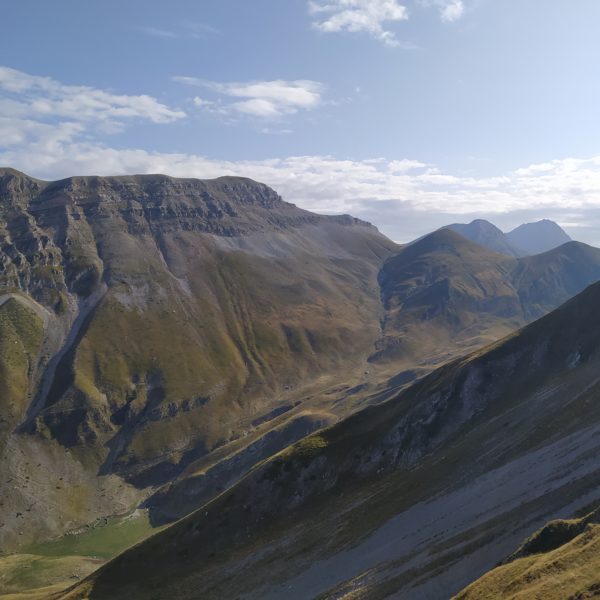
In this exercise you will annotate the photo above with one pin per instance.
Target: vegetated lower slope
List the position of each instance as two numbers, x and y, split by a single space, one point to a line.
147 321
561 560
534 238
445 295
43 568
413 498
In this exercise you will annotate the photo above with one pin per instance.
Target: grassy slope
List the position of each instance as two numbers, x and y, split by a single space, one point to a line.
445 295
331 490
48 567
257 297
21 332
252 327
560 561
26 576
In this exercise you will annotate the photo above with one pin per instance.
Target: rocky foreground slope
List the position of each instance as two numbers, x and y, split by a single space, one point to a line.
415 497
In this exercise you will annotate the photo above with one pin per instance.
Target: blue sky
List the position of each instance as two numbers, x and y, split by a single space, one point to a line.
409 113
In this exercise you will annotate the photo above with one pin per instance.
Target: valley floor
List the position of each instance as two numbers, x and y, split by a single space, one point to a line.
40 570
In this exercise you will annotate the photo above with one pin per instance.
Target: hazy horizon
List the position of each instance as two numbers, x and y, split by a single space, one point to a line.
409 114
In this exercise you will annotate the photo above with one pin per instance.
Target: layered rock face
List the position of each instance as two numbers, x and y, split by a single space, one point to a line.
156 319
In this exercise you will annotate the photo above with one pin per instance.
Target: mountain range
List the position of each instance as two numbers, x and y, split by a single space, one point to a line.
525 240
444 295
298 395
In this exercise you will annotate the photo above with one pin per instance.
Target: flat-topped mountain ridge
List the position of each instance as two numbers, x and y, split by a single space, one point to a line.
224 206
156 320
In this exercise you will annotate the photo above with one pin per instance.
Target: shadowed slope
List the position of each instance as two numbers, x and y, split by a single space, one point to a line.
443 296
413 497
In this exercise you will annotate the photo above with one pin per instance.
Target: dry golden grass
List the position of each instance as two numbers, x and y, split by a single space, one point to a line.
571 571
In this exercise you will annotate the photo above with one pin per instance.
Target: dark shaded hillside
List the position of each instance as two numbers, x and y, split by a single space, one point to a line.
546 280
414 497
445 295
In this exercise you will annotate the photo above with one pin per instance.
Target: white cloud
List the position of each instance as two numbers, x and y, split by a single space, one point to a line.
320 183
263 99
202 103
24 95
450 10
43 136
405 165
47 129
405 197
47 119
368 16
200 30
